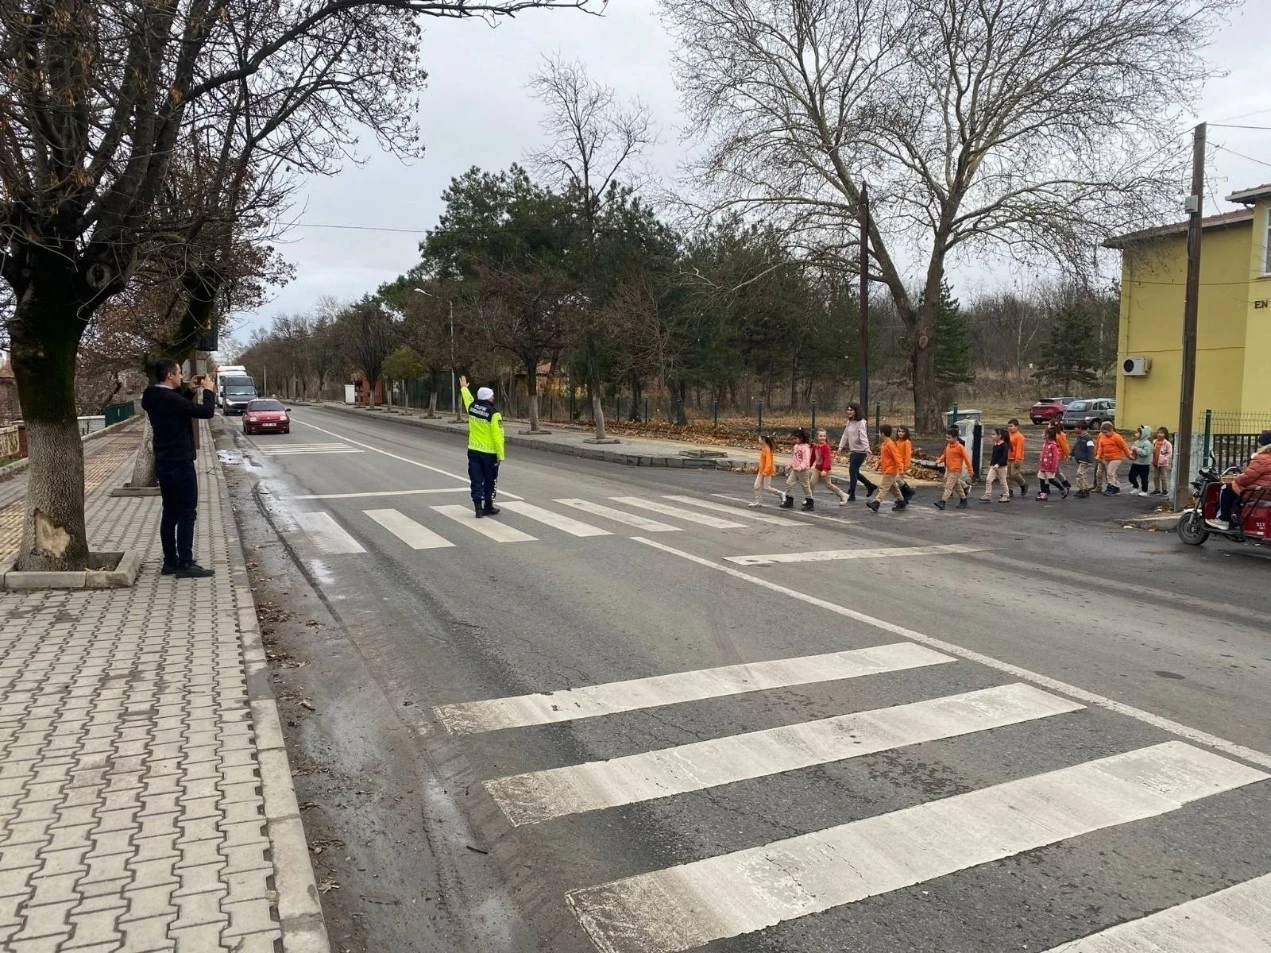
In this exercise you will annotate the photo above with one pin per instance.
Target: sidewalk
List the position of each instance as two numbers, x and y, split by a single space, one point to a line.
145 798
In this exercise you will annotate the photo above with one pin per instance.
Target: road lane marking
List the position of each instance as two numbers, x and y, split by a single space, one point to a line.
490 527
414 463
297 453
327 535
692 904
733 511
374 493
618 516
541 795
607 698
566 524
1045 681
826 555
1238 918
407 530
678 512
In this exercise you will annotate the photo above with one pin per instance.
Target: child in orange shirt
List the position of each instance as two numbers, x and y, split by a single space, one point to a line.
1015 459
891 466
905 445
955 459
767 470
1111 448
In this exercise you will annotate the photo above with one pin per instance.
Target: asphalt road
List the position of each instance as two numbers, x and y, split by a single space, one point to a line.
1044 725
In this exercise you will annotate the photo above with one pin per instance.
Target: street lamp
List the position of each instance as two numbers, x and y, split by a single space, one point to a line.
454 403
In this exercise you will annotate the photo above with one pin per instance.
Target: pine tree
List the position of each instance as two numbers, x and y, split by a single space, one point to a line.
953 345
1070 356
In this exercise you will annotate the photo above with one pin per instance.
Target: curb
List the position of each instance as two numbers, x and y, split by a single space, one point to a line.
628 457
299 909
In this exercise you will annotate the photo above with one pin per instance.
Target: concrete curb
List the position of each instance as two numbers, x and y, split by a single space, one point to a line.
126 567
628 456
304 929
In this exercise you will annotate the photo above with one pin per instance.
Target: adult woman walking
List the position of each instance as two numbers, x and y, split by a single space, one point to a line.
855 441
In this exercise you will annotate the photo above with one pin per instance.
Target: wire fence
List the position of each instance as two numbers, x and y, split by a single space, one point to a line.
1222 422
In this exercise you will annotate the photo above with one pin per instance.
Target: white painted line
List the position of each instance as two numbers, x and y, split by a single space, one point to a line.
297 453
327 535
414 463
734 511
801 514
696 903
827 555
489 527
407 530
590 701
373 493
1045 681
618 516
542 795
566 524
678 512
1235 919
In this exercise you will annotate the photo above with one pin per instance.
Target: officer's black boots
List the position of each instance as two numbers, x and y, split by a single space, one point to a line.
480 510
489 509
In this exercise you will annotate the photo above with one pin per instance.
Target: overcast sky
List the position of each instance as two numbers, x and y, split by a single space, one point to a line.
477 111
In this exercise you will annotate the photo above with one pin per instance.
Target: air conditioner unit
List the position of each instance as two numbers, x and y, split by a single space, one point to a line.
1136 366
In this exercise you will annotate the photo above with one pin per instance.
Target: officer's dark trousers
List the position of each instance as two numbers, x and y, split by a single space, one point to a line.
482 469
179 489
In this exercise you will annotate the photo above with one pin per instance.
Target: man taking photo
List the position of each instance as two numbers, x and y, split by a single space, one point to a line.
172 413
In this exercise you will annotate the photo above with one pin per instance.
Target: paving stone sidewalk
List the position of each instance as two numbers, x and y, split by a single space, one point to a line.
146 802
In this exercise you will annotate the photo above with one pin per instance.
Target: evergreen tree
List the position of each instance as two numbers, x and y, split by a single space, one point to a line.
953 346
1070 356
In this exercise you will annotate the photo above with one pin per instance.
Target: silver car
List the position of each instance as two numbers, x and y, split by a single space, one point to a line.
1092 412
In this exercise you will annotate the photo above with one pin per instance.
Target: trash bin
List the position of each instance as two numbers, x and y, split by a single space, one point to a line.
967 419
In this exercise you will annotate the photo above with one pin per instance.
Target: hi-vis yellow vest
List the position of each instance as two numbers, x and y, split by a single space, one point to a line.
485 426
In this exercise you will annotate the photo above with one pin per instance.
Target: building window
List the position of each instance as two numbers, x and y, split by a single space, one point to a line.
1266 246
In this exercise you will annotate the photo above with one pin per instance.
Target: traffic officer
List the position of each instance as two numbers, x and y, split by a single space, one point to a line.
485 446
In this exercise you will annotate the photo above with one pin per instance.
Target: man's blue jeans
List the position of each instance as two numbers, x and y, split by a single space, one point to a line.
179 488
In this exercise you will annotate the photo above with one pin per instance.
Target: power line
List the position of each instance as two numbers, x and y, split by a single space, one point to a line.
1223 125
1241 155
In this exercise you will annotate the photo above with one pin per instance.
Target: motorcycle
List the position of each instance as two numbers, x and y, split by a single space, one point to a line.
1253 524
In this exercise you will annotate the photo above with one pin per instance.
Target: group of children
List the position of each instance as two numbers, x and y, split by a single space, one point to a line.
1098 457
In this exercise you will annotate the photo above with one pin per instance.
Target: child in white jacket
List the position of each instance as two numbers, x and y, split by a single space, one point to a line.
1162 460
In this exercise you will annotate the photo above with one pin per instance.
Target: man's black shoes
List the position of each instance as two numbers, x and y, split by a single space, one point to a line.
193 571
489 509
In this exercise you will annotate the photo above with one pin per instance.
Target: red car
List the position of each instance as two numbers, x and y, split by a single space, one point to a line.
1048 408
266 416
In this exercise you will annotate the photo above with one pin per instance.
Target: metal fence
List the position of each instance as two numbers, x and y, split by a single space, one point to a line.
117 413
1221 422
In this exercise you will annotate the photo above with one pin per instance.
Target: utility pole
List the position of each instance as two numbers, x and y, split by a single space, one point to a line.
864 299
454 400
1191 304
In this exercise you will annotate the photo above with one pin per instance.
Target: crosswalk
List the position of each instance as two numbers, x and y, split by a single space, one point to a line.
759 887
297 449
521 521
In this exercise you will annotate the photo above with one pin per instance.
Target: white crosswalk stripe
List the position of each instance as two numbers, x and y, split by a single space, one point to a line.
328 536
620 516
1235 920
678 512
566 524
734 511
293 449
692 904
490 527
826 555
591 701
407 530
539 796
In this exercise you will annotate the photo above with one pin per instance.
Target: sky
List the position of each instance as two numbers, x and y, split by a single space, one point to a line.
477 111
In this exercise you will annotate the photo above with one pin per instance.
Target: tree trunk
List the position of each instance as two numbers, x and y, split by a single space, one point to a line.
598 413
927 410
45 330
143 463
531 389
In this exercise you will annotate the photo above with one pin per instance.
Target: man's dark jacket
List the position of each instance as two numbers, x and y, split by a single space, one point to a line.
172 416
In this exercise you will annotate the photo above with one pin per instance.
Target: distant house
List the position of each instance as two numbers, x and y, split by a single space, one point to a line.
1234 329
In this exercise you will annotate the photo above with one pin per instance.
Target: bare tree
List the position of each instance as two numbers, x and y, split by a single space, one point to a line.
368 337
101 103
1030 128
592 139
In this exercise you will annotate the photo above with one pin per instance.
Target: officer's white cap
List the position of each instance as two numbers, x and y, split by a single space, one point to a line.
485 393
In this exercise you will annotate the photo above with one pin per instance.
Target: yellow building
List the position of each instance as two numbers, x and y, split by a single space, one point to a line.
1234 317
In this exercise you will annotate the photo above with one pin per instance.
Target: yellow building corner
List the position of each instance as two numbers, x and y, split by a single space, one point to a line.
1234 317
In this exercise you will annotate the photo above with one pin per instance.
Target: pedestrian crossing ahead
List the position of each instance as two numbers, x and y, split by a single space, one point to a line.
295 449
762 886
